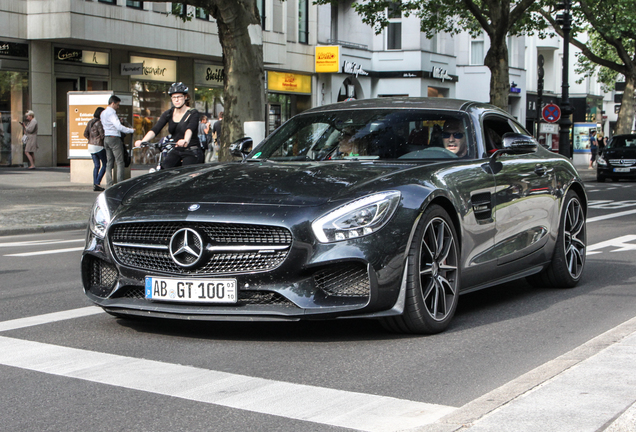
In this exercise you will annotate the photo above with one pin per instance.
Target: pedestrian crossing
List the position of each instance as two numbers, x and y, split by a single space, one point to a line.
43 247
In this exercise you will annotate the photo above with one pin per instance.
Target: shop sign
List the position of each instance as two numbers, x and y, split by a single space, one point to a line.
81 56
12 49
327 59
288 82
154 69
209 75
131 68
440 73
352 68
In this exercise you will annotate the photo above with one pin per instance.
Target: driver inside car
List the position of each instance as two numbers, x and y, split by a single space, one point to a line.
454 138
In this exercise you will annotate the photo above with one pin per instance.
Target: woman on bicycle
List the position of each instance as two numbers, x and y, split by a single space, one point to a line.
183 123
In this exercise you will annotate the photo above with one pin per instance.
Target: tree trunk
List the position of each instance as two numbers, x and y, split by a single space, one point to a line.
626 113
497 61
240 35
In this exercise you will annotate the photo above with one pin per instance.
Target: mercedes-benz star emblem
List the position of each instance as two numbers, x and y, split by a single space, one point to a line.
194 207
186 247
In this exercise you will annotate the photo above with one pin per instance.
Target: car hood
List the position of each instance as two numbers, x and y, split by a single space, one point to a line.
298 184
617 153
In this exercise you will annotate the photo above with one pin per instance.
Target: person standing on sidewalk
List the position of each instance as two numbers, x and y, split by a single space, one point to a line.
216 136
112 140
593 148
94 133
30 130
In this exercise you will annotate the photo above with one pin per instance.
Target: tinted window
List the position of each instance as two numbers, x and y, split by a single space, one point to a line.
370 134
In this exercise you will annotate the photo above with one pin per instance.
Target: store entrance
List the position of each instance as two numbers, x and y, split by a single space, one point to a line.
62 87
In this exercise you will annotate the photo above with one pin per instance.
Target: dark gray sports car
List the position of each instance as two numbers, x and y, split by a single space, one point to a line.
386 208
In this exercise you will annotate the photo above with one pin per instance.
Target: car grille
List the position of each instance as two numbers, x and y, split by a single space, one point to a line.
101 276
233 248
622 162
245 298
348 280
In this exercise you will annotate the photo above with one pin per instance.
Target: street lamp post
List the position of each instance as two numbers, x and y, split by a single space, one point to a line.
565 19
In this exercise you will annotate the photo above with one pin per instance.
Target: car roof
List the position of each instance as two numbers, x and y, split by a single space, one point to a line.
446 104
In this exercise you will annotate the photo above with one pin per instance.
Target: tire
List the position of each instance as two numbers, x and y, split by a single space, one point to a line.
568 259
600 178
433 277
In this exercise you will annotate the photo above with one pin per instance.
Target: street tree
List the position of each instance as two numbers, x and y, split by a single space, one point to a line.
241 39
609 49
497 18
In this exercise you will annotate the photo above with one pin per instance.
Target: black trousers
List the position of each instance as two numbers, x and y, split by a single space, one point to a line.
183 156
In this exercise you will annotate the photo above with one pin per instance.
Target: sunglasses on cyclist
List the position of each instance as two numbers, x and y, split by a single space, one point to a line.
457 135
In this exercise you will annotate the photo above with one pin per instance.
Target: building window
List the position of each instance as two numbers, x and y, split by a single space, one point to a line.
303 21
179 9
260 4
394 29
477 51
108 1
135 4
202 14
512 51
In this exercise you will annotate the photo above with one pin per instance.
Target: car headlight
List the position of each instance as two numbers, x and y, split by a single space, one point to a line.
100 216
601 161
358 218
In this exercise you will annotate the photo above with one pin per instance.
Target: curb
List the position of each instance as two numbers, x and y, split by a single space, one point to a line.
39 229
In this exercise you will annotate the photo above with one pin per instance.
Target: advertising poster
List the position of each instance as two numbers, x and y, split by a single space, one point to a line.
581 136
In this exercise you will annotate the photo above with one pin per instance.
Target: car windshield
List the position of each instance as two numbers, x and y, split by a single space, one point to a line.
622 142
375 134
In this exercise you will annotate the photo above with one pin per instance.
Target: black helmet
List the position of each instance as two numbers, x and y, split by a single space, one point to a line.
178 88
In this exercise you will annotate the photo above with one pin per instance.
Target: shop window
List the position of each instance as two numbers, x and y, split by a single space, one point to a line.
14 92
394 29
134 4
303 21
150 100
209 101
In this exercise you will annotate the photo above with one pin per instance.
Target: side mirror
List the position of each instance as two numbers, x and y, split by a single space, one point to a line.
515 143
241 147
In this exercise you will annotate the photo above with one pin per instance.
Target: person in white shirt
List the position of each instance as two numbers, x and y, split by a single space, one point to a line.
112 140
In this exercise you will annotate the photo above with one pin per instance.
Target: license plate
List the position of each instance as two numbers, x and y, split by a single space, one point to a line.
191 290
621 169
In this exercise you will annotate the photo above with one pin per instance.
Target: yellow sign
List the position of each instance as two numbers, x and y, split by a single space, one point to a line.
288 82
328 59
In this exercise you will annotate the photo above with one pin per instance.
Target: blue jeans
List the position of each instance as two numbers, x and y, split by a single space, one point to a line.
99 158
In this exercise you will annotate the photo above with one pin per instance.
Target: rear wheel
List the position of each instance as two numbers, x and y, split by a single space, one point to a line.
568 260
433 276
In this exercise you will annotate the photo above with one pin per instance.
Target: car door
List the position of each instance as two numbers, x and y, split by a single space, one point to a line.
525 200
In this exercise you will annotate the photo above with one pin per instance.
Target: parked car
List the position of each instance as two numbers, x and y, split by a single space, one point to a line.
382 208
618 160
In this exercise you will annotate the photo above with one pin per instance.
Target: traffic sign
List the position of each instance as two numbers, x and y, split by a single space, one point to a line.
551 113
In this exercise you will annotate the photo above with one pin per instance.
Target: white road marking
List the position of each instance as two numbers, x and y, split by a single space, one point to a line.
620 244
611 216
47 252
359 411
321 405
49 318
39 242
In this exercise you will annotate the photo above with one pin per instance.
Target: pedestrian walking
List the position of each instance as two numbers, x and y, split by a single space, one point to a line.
112 140
30 131
593 148
216 136
94 133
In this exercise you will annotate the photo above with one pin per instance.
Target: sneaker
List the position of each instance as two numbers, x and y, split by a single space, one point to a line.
98 188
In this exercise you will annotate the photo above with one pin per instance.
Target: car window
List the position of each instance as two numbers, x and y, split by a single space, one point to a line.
622 141
494 128
373 134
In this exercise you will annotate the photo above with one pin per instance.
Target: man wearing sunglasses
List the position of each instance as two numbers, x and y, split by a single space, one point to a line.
454 137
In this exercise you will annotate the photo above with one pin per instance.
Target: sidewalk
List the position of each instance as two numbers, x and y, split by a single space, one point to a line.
43 200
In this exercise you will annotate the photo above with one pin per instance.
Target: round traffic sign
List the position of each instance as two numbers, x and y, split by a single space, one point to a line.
551 113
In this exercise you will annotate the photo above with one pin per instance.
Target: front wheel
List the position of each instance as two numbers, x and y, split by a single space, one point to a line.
568 259
433 276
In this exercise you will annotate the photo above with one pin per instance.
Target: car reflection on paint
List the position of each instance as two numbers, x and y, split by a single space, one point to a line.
349 210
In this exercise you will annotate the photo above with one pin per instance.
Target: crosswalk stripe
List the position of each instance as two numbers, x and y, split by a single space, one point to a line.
365 412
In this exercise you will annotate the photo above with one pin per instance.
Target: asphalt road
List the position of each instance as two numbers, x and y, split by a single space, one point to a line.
497 335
